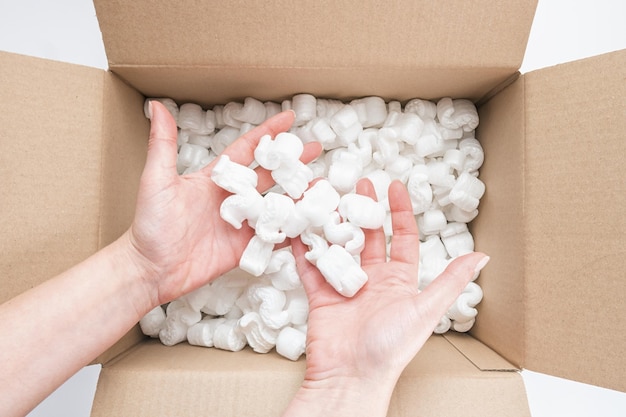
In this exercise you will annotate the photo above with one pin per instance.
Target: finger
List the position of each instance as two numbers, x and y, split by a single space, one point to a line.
441 293
241 151
312 279
311 151
162 148
375 250
405 240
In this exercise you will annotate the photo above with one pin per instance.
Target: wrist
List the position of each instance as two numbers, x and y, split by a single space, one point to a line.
136 272
345 396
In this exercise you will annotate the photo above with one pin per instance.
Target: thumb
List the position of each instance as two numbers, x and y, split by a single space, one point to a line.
162 147
441 293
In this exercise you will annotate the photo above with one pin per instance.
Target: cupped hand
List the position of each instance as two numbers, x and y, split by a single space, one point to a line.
375 334
177 233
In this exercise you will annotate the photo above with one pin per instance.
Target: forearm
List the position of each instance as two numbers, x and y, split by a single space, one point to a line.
53 330
343 397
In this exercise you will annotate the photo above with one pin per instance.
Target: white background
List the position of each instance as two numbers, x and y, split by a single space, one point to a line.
563 30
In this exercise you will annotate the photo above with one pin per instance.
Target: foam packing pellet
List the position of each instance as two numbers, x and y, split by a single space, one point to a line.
428 145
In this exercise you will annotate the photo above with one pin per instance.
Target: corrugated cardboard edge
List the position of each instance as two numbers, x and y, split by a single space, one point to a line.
123 151
499 229
576 221
50 134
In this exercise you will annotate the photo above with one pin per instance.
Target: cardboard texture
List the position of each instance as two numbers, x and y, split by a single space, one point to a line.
552 219
205 53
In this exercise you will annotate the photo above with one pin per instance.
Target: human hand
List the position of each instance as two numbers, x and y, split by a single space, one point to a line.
357 347
177 234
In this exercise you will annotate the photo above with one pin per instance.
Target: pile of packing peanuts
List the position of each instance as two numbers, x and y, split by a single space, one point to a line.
428 146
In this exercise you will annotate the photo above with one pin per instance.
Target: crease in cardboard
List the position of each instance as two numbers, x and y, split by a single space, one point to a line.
478 354
494 91
101 180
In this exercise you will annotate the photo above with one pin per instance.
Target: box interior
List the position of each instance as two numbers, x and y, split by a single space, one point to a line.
552 218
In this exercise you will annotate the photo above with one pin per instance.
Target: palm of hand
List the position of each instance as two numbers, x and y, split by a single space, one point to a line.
177 229
375 334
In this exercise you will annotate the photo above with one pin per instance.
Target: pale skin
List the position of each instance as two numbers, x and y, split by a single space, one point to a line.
177 243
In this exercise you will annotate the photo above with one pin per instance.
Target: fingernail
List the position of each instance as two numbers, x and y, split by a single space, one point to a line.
150 109
480 265
294 113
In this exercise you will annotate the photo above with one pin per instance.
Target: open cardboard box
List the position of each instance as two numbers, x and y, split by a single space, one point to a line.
553 217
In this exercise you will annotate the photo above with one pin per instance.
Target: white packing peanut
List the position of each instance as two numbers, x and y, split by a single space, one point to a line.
443 325
457 239
270 303
423 108
219 116
305 107
247 205
190 155
223 138
322 132
387 147
272 109
455 114
228 336
346 125
225 291
463 309
191 117
260 338
440 173
455 214
327 108
252 111
381 180
474 154
256 256
341 271
406 126
201 333
362 211
282 271
283 149
420 190
179 318
198 298
291 343
467 192
345 170
293 177
297 306
431 222
462 327
345 234
316 243
152 323
277 209
318 202
371 111
233 177
169 104
229 112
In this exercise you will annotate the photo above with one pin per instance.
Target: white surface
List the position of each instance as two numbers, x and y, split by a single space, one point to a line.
564 30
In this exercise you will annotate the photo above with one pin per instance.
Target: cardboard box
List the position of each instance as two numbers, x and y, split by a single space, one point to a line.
553 217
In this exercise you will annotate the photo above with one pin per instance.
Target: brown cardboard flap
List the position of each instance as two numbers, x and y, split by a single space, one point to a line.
576 220
208 85
50 164
499 228
124 147
184 380
293 35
